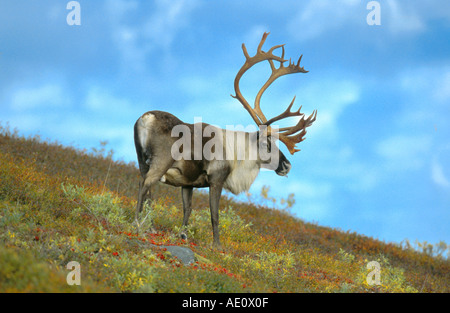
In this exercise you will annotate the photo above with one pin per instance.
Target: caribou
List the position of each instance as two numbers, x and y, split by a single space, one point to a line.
198 159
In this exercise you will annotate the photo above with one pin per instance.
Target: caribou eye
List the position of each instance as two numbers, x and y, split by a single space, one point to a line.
265 145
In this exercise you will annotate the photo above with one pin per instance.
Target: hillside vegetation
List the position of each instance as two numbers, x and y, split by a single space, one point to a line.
60 204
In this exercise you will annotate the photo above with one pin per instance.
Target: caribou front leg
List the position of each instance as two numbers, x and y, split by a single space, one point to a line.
215 191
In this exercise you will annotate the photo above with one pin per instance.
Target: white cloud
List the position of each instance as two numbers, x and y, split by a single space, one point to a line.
48 95
441 90
133 54
438 176
200 86
404 152
167 20
402 18
100 100
440 166
433 83
331 98
318 16
136 41
126 37
118 9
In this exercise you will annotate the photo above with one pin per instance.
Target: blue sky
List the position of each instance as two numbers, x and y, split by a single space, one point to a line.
376 161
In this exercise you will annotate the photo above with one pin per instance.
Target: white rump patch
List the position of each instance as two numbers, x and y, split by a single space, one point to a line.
144 124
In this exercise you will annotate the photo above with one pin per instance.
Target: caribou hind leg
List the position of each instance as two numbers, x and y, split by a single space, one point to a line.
150 178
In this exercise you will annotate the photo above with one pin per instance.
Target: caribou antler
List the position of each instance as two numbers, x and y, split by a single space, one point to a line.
290 136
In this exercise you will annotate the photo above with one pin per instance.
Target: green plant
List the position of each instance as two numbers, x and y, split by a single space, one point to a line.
270 266
346 257
392 279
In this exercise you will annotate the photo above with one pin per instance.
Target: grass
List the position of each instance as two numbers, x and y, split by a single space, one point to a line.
59 204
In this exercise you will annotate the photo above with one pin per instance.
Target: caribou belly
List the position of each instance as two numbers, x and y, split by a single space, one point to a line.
176 178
